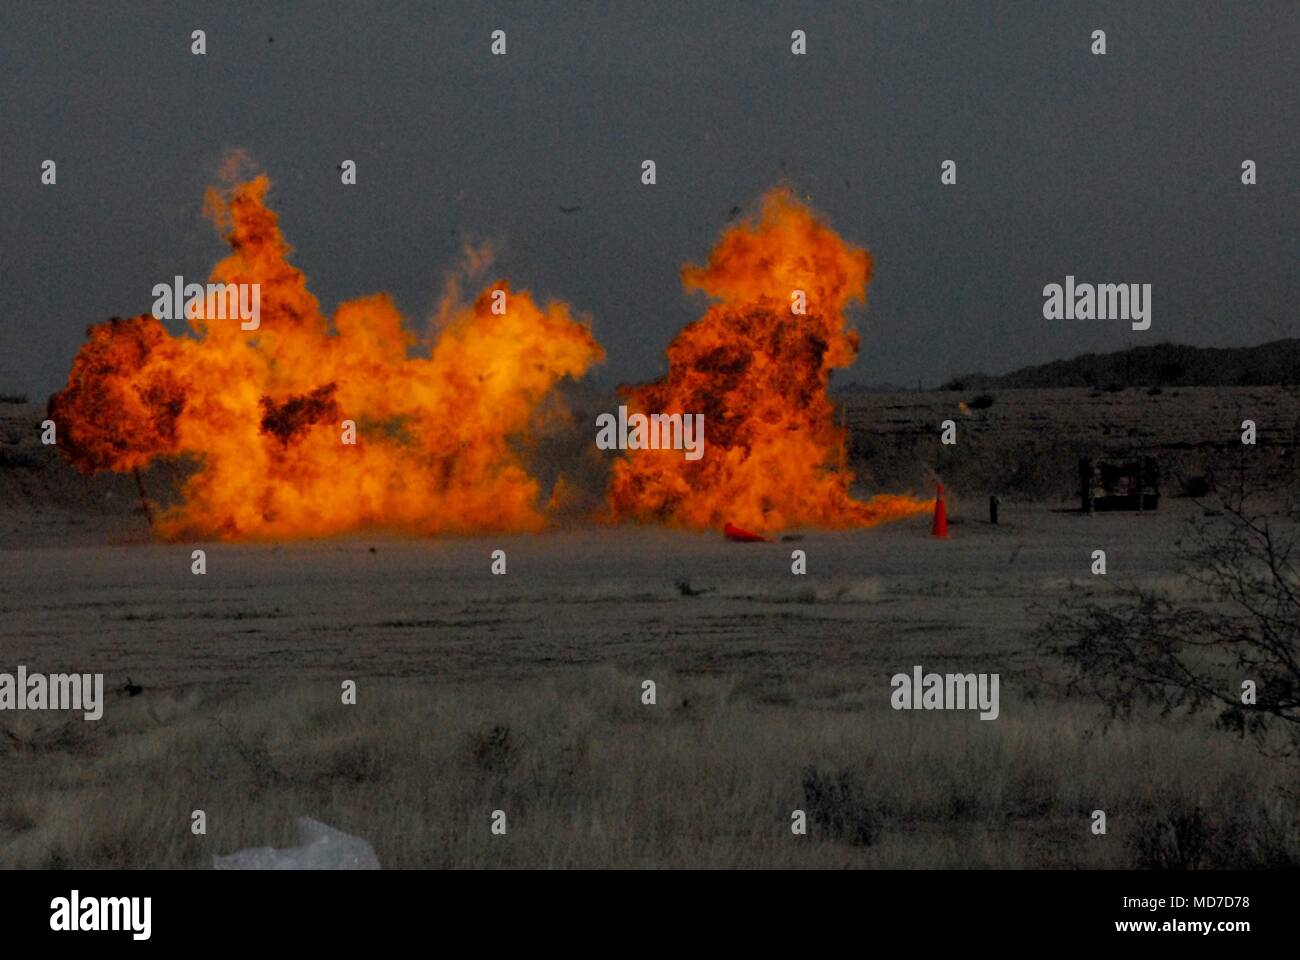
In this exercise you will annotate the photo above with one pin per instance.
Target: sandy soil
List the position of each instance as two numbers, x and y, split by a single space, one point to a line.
83 584
875 600
1028 442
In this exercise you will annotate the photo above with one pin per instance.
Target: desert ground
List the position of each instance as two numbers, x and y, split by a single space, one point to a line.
1027 442
523 692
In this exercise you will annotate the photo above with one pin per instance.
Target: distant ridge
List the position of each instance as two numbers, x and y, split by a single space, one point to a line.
1162 364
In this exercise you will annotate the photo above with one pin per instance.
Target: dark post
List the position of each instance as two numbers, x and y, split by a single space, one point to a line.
144 500
994 501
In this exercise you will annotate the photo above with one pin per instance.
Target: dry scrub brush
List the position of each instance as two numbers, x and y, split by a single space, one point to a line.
1139 647
591 777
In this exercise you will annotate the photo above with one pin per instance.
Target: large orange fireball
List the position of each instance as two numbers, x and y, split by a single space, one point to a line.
757 365
263 411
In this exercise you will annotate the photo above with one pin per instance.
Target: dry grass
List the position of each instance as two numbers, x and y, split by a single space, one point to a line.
590 777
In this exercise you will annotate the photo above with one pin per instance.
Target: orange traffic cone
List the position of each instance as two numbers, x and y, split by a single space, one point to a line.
940 516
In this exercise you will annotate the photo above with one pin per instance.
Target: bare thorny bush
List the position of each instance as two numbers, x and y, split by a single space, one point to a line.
1136 646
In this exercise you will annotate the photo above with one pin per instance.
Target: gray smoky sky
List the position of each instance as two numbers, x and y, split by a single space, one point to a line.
1124 168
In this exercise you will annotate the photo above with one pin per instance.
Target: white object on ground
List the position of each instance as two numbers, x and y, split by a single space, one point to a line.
321 847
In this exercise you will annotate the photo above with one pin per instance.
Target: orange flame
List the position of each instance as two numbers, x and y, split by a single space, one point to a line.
759 373
263 410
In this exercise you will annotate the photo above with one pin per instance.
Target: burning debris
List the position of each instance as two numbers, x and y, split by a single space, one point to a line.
757 365
261 411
